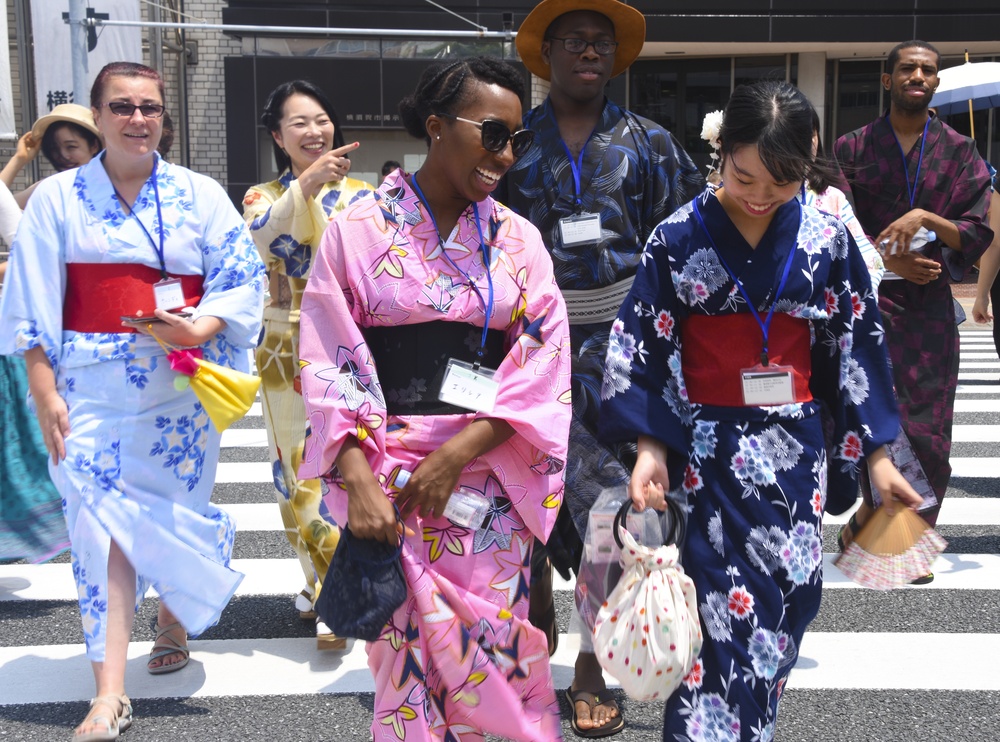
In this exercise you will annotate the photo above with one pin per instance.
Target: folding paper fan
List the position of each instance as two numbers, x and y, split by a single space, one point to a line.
891 550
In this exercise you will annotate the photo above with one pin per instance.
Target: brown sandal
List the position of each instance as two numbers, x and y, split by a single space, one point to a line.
164 646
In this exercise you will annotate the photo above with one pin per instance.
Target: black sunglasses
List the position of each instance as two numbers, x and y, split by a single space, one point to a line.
496 135
148 110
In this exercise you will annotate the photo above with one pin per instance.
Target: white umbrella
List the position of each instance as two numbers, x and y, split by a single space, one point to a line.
970 87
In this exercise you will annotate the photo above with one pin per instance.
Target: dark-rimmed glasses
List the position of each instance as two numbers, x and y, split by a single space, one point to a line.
495 135
579 46
148 110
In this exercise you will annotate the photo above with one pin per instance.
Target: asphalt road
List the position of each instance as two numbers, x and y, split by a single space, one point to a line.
914 664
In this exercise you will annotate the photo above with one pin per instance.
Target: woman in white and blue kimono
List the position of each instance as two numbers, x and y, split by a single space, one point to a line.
748 308
134 458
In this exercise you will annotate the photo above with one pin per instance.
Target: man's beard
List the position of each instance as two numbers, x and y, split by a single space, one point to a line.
905 103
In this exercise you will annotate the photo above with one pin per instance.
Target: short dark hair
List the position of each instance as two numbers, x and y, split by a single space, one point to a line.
443 89
51 150
893 59
273 112
388 166
778 119
123 69
167 136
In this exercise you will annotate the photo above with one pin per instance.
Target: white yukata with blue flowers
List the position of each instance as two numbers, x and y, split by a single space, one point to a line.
141 456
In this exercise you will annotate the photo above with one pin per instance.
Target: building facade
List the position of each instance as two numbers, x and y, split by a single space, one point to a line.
696 52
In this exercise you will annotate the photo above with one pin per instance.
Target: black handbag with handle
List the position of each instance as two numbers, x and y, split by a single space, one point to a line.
363 587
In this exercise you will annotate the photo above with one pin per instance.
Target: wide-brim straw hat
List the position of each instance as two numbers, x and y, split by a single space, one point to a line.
629 23
71 112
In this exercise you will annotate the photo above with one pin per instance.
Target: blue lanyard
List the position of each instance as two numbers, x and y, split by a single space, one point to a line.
911 189
487 304
158 248
576 167
765 325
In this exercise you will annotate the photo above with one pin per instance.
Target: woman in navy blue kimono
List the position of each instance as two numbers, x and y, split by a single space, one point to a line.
749 308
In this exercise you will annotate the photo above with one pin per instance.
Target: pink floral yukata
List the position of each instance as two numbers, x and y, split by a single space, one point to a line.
459 657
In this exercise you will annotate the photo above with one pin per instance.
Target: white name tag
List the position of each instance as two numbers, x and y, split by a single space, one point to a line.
601 539
168 294
464 386
768 386
580 229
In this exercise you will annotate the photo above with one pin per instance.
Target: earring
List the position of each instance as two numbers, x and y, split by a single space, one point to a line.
438 137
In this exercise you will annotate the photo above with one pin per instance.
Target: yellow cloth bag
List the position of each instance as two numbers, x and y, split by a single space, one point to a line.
226 394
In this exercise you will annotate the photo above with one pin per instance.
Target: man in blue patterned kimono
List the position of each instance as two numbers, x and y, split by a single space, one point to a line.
904 171
596 184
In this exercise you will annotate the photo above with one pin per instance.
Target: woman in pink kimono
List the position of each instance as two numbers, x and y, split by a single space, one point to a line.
432 286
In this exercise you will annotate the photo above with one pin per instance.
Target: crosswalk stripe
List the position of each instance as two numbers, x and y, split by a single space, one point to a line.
973 511
244 438
837 660
975 433
975 467
977 405
281 576
59 673
244 472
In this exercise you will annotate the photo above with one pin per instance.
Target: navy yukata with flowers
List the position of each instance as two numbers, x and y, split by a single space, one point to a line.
141 455
755 478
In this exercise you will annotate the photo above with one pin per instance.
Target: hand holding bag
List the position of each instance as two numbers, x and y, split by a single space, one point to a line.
363 586
647 634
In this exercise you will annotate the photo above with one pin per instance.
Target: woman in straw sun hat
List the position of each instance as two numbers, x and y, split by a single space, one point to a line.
67 136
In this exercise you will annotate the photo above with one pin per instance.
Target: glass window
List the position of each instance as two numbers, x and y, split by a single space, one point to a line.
677 94
454 49
859 91
654 91
750 69
706 88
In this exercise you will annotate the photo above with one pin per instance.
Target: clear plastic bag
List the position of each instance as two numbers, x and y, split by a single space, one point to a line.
600 566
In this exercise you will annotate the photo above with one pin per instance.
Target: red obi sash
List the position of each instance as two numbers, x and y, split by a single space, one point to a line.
98 295
716 349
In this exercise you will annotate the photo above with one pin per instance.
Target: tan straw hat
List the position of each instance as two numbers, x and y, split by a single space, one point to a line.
629 23
71 112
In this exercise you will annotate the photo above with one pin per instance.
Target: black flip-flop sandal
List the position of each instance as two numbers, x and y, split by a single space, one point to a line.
591 699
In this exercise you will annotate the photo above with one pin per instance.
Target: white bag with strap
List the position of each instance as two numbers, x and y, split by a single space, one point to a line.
647 634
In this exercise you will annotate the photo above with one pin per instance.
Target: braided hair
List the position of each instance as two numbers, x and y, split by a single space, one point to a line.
443 88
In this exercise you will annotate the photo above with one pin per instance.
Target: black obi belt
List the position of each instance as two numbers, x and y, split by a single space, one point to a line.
411 361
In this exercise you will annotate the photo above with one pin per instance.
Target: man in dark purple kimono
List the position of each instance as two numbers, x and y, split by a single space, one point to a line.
905 171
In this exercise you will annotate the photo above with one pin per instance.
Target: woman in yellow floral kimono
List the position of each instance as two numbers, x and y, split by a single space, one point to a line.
287 218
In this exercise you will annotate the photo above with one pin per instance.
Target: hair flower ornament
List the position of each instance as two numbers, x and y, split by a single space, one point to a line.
710 128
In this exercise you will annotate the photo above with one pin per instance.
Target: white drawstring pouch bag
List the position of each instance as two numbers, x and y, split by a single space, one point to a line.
647 634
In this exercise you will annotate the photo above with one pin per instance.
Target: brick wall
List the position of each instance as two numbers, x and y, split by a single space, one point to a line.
206 89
